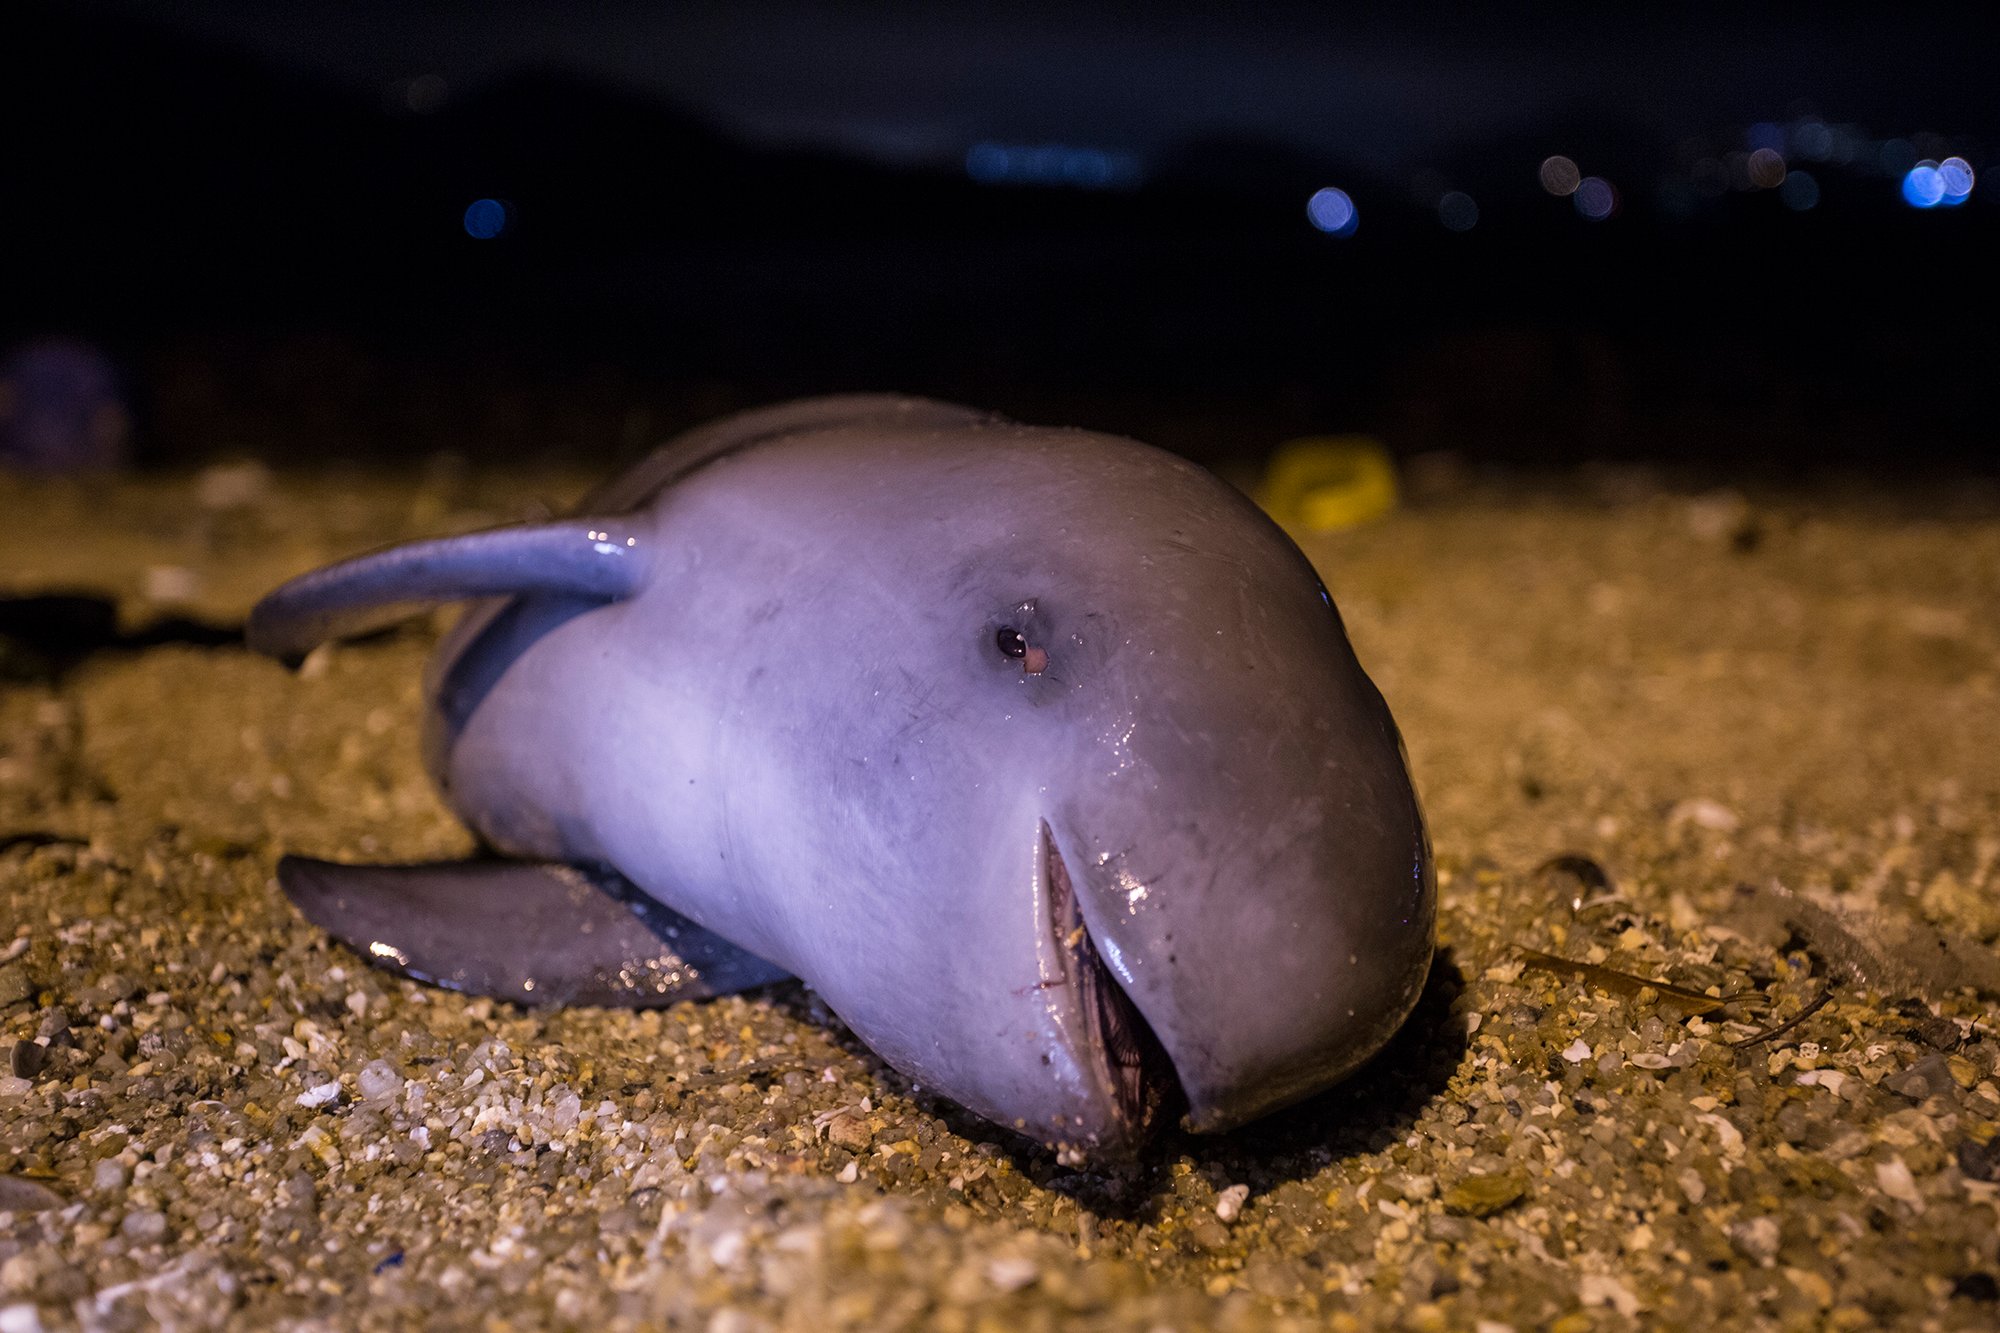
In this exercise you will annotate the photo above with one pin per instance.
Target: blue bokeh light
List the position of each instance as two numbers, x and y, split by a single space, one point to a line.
992 163
486 219
1923 187
1955 175
1800 191
1595 199
1332 211
1458 211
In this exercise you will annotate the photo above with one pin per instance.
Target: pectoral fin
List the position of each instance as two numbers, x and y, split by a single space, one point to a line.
531 932
600 558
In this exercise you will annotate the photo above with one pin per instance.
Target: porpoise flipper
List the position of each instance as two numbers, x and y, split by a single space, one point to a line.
533 932
600 558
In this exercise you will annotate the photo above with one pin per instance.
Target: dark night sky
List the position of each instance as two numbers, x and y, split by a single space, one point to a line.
775 198
915 83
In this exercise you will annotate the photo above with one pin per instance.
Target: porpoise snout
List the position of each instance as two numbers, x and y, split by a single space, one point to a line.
1256 874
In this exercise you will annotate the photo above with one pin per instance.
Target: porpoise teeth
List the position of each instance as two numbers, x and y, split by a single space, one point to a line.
1121 1047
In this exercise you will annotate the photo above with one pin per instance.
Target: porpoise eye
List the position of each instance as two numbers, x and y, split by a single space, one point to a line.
1034 661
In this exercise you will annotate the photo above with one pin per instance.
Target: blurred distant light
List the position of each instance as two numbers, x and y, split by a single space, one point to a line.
1766 168
1333 212
1799 191
1812 140
1955 174
486 219
1923 186
1764 135
986 162
1559 175
992 163
1457 211
1595 199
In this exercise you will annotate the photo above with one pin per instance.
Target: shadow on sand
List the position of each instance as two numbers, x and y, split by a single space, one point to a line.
1372 1110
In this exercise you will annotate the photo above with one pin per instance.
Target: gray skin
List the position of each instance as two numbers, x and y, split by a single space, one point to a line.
1180 866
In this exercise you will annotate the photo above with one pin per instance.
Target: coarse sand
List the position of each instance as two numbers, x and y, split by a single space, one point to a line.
214 1116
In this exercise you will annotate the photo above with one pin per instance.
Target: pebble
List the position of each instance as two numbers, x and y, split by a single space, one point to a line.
1893 1178
848 1130
1010 1273
1230 1202
378 1081
27 1059
320 1094
1486 1193
1756 1238
26 1196
144 1226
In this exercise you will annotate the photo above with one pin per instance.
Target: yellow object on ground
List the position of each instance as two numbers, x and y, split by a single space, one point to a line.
1327 482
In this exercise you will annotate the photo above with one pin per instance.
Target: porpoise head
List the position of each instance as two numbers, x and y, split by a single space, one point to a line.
1107 821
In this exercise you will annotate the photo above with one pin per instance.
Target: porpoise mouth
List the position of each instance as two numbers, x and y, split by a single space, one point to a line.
1116 1043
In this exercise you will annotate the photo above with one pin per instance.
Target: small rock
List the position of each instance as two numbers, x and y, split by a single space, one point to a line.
14 985
1209 1234
1577 1051
109 1174
1940 1034
1980 1161
22 1318
1756 1239
1603 1289
27 1059
319 1095
1486 1193
1928 1077
1813 1286
18 1195
1979 1287
1229 1203
1011 1272
1704 814
1893 1178
144 1226
565 1110
170 583
848 1130
1726 1133
378 1081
